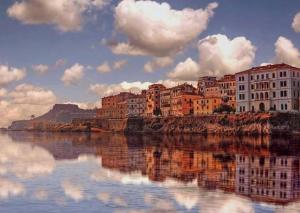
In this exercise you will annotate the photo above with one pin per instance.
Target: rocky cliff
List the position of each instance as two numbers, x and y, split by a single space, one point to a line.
59 115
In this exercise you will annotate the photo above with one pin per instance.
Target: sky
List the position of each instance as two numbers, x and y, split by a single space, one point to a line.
77 51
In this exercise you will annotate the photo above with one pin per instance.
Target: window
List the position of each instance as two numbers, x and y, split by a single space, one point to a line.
242 96
274 94
262 76
242 87
283 83
274 84
251 77
252 96
273 75
252 86
257 77
267 75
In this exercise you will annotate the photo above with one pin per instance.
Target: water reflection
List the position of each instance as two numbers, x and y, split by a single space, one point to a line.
217 174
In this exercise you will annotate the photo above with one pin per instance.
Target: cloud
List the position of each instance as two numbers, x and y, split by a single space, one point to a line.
73 74
65 15
73 191
41 194
296 23
286 52
165 31
10 188
10 74
85 105
104 197
60 62
3 92
119 64
157 63
112 89
218 55
104 68
25 100
32 95
40 68
185 71
36 162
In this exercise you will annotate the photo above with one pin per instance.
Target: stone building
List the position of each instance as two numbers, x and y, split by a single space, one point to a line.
268 88
153 100
227 87
206 105
137 105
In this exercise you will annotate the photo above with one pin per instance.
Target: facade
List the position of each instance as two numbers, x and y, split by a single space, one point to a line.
204 82
153 99
227 87
206 105
165 102
268 178
115 106
137 105
268 88
183 104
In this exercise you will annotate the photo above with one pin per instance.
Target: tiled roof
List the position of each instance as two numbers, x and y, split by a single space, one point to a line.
269 67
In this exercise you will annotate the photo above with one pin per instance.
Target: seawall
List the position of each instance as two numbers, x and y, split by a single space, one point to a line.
230 124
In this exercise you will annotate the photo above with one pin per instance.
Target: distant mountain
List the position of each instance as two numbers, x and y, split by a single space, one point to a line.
60 113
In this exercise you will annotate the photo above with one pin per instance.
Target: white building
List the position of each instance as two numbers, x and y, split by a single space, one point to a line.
268 88
136 105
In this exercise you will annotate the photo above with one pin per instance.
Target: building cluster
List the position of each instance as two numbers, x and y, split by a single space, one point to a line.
259 89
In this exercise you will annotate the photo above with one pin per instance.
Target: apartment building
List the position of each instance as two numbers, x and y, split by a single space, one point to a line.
137 105
178 100
227 89
268 88
206 105
204 82
153 99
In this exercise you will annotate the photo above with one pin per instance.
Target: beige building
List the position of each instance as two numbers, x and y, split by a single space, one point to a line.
165 102
268 88
137 105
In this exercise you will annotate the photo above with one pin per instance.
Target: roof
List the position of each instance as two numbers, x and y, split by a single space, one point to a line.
269 67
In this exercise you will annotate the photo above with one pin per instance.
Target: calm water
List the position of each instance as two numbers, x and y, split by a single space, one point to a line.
42 172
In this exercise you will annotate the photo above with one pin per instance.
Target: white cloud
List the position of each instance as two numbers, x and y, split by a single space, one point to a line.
119 64
40 68
10 74
73 74
112 89
104 197
185 71
10 188
286 52
165 31
219 55
36 162
157 63
73 191
104 68
3 92
25 100
29 94
65 15
60 62
296 23
85 105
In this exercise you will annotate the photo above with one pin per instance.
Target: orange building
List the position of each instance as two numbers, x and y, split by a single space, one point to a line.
114 106
206 105
183 104
153 99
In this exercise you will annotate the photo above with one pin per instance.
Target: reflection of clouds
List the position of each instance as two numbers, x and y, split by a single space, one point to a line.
72 190
290 208
104 197
9 188
218 202
24 160
157 203
187 199
119 201
41 194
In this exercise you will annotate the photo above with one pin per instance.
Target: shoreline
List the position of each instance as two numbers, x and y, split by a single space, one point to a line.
217 124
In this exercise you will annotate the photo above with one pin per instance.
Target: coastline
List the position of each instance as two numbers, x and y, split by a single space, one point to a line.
218 124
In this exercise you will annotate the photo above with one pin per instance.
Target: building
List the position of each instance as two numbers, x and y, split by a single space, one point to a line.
204 82
227 89
206 105
153 100
115 106
137 105
268 88
178 100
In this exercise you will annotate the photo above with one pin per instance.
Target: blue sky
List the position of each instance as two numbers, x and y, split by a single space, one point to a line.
22 45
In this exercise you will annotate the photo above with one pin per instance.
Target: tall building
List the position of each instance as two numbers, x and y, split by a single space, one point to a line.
153 99
137 105
268 88
227 87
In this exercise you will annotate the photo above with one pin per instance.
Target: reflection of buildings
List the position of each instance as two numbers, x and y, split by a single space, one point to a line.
268 178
